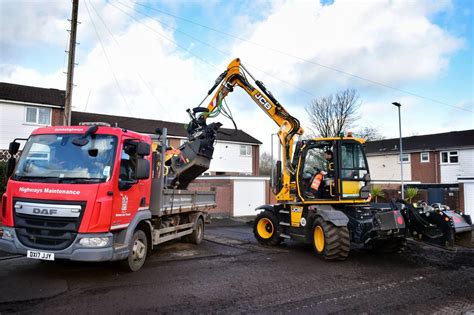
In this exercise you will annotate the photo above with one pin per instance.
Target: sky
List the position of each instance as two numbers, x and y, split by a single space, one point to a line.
155 59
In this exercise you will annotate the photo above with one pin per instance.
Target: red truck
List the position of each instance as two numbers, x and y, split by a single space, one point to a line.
101 193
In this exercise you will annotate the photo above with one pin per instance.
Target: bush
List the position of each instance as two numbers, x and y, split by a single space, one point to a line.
3 177
410 194
377 192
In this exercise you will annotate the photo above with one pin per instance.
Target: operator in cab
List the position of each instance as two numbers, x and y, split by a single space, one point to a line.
318 178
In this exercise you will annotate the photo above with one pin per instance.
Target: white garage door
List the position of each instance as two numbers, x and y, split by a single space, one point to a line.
248 195
469 198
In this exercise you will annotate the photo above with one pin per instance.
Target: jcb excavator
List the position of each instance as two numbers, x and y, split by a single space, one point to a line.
322 186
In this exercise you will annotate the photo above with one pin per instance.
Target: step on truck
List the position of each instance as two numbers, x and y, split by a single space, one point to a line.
99 193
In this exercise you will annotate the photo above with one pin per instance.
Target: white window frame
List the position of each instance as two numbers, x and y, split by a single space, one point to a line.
248 150
449 155
37 115
421 157
404 155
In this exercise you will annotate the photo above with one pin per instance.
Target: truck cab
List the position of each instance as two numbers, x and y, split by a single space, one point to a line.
82 193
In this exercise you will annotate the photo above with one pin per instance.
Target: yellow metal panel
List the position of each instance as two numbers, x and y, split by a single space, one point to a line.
350 188
296 213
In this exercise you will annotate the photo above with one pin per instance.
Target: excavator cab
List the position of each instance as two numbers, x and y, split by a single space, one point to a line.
332 169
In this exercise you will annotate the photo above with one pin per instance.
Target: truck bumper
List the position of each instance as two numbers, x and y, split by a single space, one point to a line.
75 251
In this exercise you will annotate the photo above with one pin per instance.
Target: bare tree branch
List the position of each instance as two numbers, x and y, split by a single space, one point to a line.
332 114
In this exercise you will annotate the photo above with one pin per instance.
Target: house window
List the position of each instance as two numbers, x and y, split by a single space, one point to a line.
38 115
449 157
245 150
406 158
424 157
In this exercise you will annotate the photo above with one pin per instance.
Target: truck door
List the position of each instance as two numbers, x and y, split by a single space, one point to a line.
129 192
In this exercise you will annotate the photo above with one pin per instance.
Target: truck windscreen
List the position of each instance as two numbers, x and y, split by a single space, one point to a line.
54 158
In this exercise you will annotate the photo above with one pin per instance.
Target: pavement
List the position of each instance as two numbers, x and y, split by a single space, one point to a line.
229 272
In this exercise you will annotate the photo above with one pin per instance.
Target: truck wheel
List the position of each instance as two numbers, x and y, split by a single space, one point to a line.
329 241
266 229
198 233
138 250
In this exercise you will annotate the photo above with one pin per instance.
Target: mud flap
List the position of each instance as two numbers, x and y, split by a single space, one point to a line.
444 228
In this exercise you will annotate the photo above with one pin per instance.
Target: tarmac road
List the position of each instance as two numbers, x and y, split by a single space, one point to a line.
230 272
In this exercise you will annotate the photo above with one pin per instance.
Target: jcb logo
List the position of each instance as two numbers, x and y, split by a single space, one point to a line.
263 101
45 211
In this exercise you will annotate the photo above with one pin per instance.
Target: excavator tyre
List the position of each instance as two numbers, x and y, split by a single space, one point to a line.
329 241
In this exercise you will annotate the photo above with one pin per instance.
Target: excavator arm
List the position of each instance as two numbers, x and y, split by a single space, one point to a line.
236 75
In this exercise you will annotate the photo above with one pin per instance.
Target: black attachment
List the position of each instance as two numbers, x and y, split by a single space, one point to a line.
195 157
200 110
435 225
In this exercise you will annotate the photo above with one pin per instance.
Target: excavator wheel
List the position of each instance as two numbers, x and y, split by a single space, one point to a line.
329 241
266 229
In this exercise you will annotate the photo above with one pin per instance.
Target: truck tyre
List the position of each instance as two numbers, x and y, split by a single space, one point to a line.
198 233
138 251
266 229
329 241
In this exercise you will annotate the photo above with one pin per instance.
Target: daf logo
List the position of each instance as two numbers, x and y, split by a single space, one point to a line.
263 101
45 211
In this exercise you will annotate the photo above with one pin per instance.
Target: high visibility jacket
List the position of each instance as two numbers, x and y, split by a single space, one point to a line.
317 181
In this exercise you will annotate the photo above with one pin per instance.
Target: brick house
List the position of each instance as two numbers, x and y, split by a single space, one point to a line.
234 169
25 108
441 164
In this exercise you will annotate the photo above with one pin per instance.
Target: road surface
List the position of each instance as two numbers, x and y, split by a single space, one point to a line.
230 272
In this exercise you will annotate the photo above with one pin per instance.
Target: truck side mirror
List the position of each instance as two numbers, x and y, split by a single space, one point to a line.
143 148
143 169
13 148
10 166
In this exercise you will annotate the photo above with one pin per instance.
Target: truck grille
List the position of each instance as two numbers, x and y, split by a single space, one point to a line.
50 232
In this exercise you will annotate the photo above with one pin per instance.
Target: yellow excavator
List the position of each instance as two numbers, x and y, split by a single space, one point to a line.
322 185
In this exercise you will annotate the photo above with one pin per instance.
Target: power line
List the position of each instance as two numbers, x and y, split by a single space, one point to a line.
223 52
165 37
303 59
119 46
108 61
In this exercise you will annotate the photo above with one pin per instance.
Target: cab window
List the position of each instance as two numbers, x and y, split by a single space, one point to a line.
353 164
128 164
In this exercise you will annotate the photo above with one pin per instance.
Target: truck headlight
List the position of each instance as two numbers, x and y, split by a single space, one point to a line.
6 233
94 241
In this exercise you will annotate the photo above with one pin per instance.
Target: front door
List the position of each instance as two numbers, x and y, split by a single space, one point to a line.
317 176
353 169
129 193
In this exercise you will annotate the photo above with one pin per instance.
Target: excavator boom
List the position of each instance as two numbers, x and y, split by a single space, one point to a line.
236 75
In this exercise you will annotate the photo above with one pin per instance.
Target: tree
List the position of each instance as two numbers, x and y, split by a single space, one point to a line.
332 114
265 164
369 133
